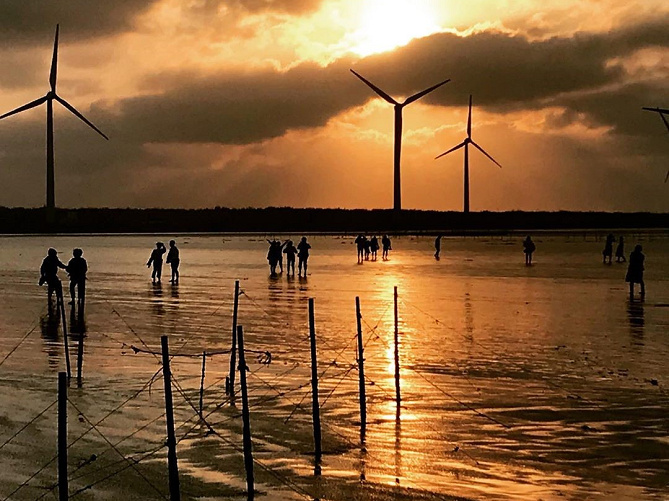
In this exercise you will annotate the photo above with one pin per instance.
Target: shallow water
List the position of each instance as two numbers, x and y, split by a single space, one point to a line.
541 382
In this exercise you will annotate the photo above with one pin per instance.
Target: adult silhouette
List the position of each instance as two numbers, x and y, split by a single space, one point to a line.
528 249
157 260
49 274
173 260
290 251
374 247
635 271
302 256
77 267
437 247
620 251
385 243
360 244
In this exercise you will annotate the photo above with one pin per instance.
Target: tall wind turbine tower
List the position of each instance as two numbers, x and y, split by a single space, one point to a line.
468 140
49 98
397 190
662 112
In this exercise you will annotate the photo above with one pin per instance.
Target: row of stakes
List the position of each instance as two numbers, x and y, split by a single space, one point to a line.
236 347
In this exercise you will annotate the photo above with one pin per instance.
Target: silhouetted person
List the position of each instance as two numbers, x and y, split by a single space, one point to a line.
620 251
49 274
528 249
437 247
302 255
77 269
360 244
157 260
367 249
173 260
608 248
635 271
274 255
290 251
374 247
385 243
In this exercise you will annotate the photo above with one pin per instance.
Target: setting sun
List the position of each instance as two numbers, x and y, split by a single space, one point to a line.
387 24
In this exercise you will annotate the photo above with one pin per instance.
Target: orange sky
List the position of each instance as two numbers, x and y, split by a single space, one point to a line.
250 103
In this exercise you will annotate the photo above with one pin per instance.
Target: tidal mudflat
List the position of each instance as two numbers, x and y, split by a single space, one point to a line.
523 383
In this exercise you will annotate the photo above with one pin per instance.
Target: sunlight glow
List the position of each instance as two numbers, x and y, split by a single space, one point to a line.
387 24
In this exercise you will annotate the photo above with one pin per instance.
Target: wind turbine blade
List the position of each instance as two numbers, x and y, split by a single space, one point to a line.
54 63
483 151
376 89
452 149
664 119
658 110
667 177
469 118
32 104
416 97
83 118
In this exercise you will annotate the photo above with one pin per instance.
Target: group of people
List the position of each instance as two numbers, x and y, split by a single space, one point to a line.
156 259
369 247
607 253
277 250
76 269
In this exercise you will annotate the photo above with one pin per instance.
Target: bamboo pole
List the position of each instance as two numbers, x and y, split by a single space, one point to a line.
314 388
361 373
246 421
230 387
175 494
61 307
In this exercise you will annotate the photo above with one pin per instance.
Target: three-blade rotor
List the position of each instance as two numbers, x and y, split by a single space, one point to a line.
391 100
53 75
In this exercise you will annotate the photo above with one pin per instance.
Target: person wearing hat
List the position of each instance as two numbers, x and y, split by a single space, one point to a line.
49 273
77 269
157 260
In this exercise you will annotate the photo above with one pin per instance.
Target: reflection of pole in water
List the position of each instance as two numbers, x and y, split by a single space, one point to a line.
469 317
397 353
398 445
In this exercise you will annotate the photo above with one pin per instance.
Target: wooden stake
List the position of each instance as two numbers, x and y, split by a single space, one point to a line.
316 410
397 353
230 389
246 421
62 437
80 356
61 306
204 360
361 372
175 494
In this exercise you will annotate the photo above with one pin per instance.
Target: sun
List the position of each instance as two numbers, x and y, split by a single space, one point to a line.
387 24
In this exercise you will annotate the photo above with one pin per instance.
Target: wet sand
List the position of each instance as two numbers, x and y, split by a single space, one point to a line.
517 382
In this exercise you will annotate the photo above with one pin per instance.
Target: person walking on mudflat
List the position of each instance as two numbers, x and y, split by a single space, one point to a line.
360 244
528 249
157 260
437 247
173 260
635 271
77 269
620 251
385 243
290 251
49 274
302 256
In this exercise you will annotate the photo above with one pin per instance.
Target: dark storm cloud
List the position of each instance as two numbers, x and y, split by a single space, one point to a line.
503 72
34 21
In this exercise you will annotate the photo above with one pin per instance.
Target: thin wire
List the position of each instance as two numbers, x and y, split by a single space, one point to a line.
28 424
22 340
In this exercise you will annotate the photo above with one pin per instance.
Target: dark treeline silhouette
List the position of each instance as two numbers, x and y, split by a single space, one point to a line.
289 220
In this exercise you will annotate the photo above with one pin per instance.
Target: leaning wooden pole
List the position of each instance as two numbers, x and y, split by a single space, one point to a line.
62 437
246 420
361 372
397 353
66 344
316 410
230 390
175 492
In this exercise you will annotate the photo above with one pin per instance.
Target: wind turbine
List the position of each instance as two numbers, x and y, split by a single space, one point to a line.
397 190
49 98
661 111
468 140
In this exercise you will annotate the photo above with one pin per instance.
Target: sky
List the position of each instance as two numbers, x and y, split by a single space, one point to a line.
250 103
